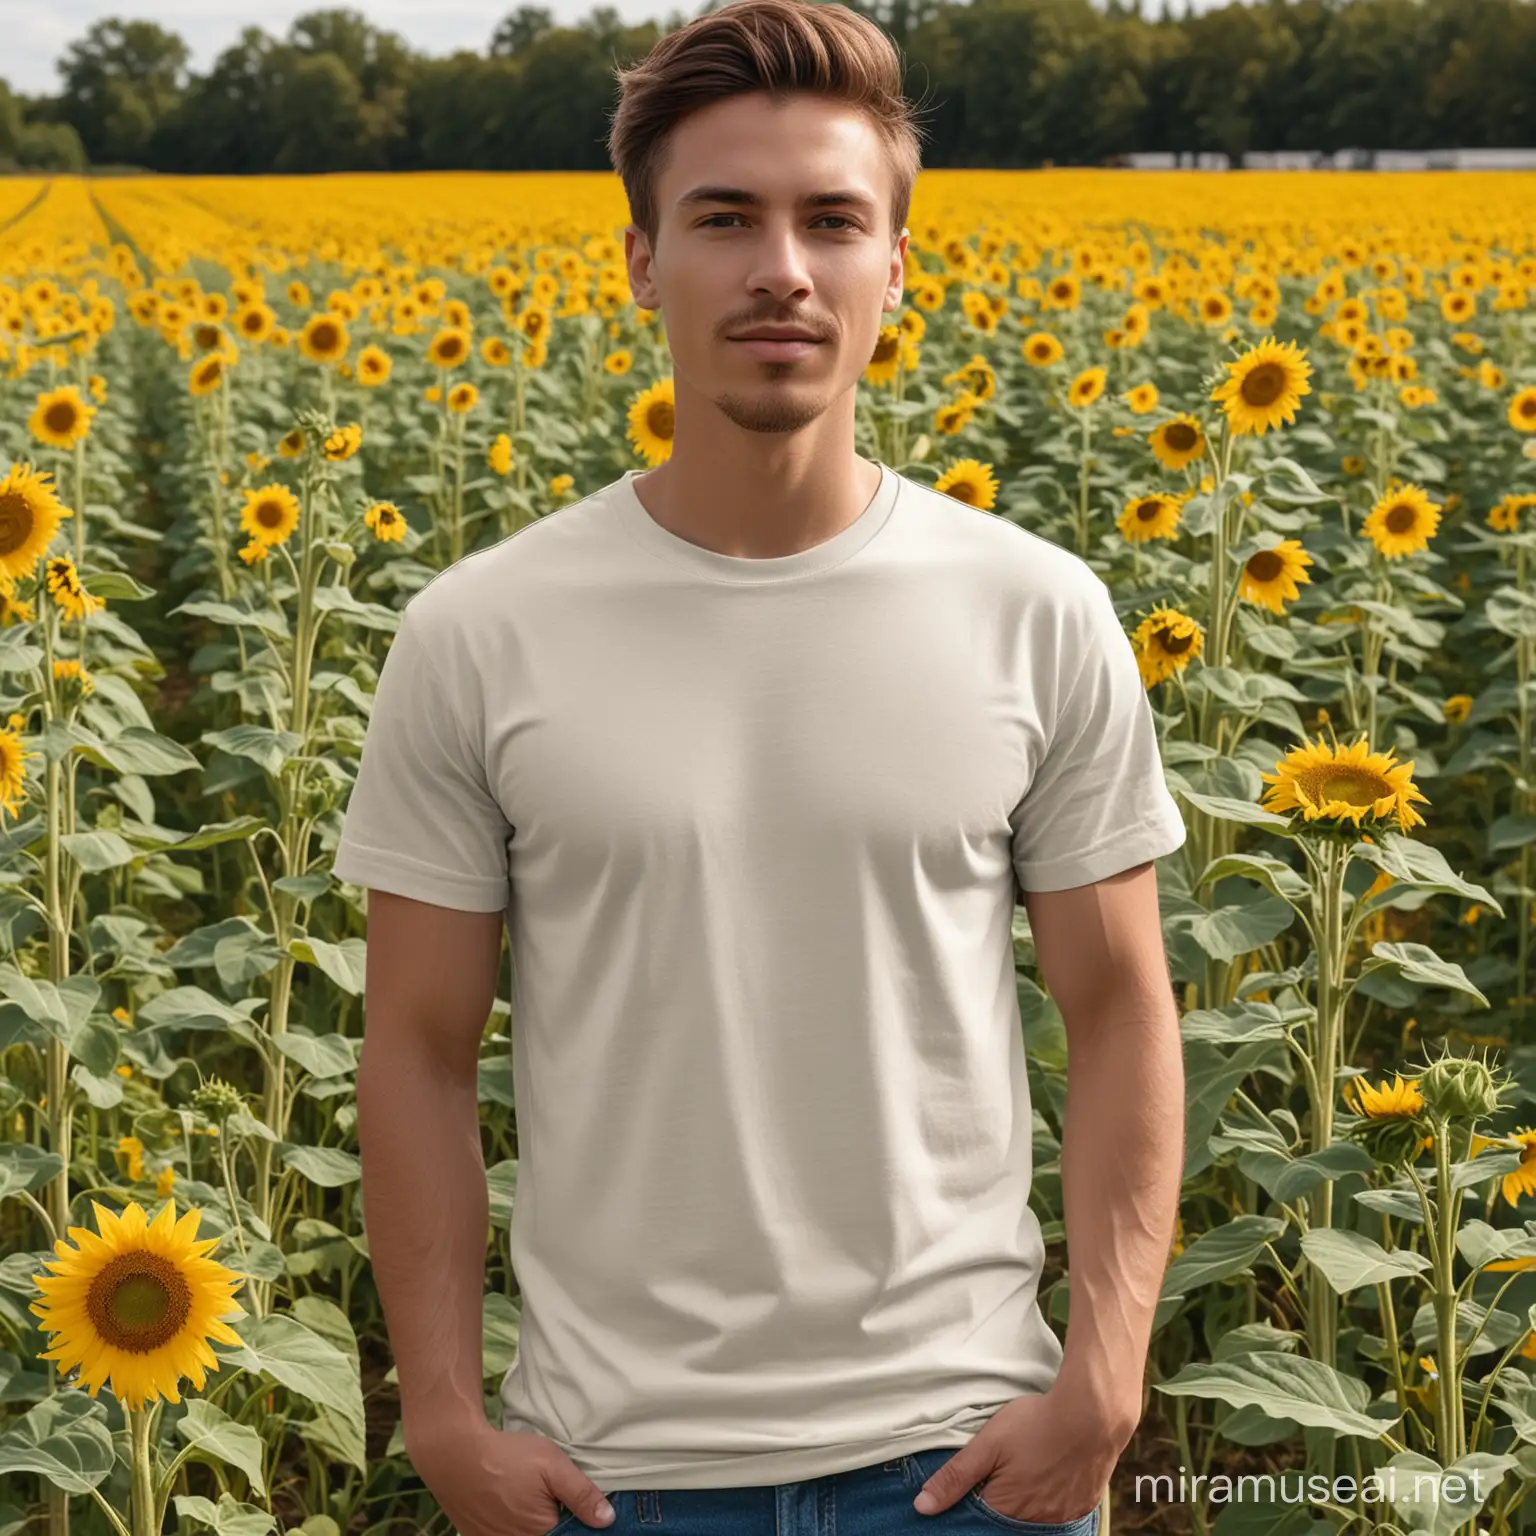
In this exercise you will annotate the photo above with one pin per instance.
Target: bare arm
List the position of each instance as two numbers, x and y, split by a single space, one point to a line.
430 985
1101 954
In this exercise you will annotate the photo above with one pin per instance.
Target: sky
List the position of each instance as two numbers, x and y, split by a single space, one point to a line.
36 32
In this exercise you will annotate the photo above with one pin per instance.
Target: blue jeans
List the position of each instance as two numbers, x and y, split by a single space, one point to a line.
864 1501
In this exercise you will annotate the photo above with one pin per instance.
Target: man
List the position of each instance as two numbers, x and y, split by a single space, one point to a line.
751 755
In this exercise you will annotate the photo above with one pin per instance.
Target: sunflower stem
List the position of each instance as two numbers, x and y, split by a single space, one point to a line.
142 1508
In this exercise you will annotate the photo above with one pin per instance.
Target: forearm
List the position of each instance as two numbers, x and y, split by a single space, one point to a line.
427 1212
1122 1165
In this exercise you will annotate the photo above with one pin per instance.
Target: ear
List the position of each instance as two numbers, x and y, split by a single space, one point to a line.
638 258
897 284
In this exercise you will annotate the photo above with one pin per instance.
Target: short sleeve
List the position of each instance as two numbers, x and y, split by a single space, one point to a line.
1098 802
421 820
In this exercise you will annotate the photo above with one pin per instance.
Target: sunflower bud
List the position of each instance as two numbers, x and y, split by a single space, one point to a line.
1460 1087
217 1100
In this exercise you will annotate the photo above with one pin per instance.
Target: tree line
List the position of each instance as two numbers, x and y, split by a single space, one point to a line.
1001 83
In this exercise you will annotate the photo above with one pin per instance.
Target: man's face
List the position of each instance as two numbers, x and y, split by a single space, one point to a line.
765 255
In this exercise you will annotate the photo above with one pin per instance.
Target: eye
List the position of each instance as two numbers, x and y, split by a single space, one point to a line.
710 221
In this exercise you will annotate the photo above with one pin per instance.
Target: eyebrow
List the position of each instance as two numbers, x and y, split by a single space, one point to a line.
741 197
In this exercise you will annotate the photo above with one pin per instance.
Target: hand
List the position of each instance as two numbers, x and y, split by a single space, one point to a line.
1046 1456
501 1482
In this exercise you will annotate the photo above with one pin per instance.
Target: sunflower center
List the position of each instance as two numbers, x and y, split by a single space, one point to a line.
963 490
269 513
1528 407
1180 437
1265 566
61 416
1173 644
885 349
660 419
1401 518
1148 509
207 337
1352 788
323 337
15 521
1264 385
138 1302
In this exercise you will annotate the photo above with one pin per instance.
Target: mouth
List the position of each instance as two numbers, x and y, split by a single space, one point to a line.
777 347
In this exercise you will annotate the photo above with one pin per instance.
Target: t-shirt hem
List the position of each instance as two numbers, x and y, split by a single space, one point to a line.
402 876
1154 839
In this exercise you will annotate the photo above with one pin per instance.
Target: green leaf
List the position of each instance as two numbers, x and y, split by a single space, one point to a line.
24 1167
1420 965
140 750
1284 1386
329 1167
499 1324
345 963
1234 1023
1506 833
1286 1178
96 851
1224 808
1221 1253
64 1439
1275 875
365 615
1481 1245
501 1182
1436 1502
208 835
319 1055
1420 865
1240 927
212 1432
117 586
270 621
188 1008
305 1363
271 749
1349 1260
227 1517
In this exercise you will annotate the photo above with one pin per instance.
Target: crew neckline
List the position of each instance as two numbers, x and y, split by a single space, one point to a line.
743 570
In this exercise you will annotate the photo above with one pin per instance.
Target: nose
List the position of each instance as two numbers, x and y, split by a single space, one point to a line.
779 263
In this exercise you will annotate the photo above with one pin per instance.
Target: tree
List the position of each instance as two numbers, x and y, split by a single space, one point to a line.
518 32
120 80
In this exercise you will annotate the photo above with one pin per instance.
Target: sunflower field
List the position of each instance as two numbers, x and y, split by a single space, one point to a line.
1289 418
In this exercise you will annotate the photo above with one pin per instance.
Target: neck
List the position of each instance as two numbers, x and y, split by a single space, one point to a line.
759 495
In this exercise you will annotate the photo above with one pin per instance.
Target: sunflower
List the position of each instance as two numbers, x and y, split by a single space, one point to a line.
254 552
1165 642
1505 517
65 587
385 520
98 388
1142 398
1087 387
1457 708
1523 1180
1344 784
137 1304
1396 1100
270 514
1458 305
462 398
1402 522
255 321
61 418
291 444
1265 386
620 362
324 338
1150 517
206 373
970 481
885 361
500 455
495 352
561 485
343 443
13 768
298 294
952 418
374 366
652 422
1178 441
449 347
1215 308
1042 350
1062 292
1522 410
1270 577
976 376
30 511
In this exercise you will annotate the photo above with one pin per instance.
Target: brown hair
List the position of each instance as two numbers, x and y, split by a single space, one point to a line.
778 46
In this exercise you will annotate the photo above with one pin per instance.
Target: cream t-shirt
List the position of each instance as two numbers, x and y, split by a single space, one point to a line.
755 825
